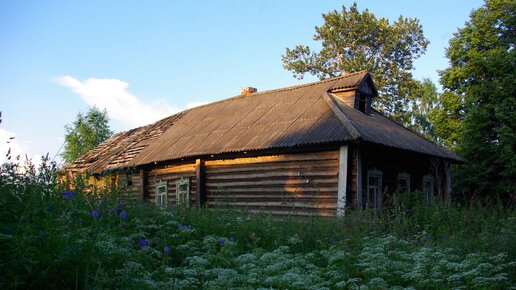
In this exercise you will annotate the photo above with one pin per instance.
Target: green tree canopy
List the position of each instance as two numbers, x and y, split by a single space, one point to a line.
480 98
86 132
353 41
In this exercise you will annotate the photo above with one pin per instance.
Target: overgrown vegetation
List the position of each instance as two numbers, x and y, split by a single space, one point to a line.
51 238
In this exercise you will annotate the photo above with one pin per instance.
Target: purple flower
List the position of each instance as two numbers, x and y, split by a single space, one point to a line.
68 248
231 239
49 208
94 213
221 242
123 214
166 249
142 243
67 195
183 228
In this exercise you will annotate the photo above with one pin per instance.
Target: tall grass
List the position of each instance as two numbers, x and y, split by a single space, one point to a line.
53 239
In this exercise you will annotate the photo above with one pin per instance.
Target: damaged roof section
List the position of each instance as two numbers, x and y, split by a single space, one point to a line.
117 151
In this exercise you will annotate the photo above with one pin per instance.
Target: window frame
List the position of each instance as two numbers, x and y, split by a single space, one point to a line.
183 195
429 194
406 176
374 201
161 198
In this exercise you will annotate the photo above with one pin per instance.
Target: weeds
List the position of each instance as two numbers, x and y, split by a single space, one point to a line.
51 238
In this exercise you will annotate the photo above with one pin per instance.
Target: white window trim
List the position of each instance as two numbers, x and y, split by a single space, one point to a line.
403 175
185 201
379 174
429 195
164 194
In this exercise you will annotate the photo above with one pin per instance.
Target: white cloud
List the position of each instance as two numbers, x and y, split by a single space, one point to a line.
121 105
9 143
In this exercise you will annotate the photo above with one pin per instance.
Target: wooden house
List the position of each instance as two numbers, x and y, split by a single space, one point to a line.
311 149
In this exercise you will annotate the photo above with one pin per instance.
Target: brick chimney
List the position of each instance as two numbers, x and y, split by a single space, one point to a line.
247 90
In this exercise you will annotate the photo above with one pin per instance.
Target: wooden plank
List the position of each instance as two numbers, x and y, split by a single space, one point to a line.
302 213
286 190
308 165
175 169
359 177
199 182
287 205
275 158
143 185
269 182
282 174
326 198
342 183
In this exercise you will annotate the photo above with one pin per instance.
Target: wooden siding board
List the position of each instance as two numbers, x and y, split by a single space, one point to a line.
280 183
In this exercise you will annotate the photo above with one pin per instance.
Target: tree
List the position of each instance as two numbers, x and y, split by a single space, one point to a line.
421 106
480 84
86 132
353 41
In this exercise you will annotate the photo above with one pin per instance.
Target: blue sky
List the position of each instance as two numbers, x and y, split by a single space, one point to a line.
144 60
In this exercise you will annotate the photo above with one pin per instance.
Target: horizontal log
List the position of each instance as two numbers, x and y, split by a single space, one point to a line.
275 158
279 205
285 190
289 212
282 198
179 168
300 173
229 171
271 182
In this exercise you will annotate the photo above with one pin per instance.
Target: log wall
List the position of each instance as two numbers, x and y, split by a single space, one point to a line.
289 184
171 174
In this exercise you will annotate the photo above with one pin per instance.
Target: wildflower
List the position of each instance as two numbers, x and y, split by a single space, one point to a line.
166 249
123 214
49 208
183 228
94 213
221 242
231 239
67 195
68 248
116 208
142 243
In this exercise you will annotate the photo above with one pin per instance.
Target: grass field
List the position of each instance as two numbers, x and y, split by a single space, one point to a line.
56 239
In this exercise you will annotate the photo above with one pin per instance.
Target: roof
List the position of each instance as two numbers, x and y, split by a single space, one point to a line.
284 118
117 151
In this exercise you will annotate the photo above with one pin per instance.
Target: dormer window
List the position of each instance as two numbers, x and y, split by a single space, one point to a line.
362 102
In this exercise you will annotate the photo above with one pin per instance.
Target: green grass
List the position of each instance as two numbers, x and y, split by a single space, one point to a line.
48 242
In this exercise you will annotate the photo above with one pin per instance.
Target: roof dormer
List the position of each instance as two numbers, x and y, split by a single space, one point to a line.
358 93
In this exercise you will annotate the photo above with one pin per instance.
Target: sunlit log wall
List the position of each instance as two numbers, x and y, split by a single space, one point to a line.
289 184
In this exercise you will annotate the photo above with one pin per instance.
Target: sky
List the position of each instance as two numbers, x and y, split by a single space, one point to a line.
145 60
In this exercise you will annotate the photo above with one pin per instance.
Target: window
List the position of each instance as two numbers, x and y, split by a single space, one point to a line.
374 189
183 192
428 188
161 194
403 184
